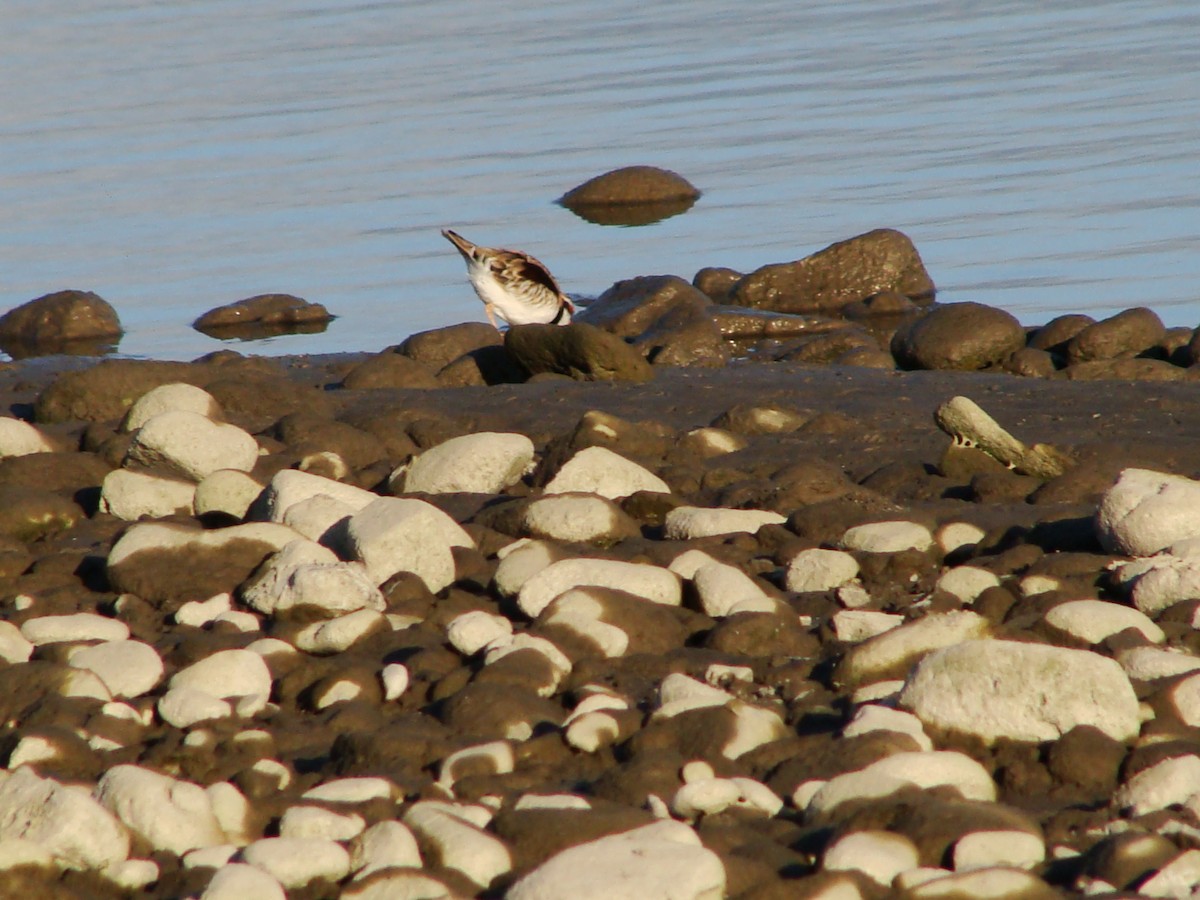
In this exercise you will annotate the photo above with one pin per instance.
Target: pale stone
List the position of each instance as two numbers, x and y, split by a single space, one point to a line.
1094 620
665 859
1163 784
17 852
73 627
725 590
1162 582
879 855
887 537
127 668
320 518
395 680
967 582
873 717
898 648
171 815
294 862
1033 692
1146 511
177 396
191 444
689 562
18 438
198 613
520 561
1184 698
679 693
227 491
653 583
304 573
852 626
496 756
820 570
483 463
129 494
715 441
578 611
340 634
84 683
986 849
690 522
397 885
227 675
318 822
888 775
1178 878
470 632
459 843
959 536
291 486
66 822
239 881
577 518
598 470
995 883
1153 663
393 535
704 798
184 707
385 844
559 661
232 810
552 801
14 646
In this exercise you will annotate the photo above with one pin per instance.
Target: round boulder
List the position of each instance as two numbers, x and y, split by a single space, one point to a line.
962 336
52 321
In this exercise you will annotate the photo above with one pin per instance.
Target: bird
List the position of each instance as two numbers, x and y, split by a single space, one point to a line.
513 285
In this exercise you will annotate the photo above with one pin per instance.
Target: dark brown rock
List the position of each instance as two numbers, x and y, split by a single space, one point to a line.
1125 369
631 184
762 634
630 307
1031 363
491 711
106 391
306 432
717 282
441 346
487 365
825 348
684 337
54 322
1127 333
964 336
584 352
30 513
66 473
881 260
390 370
263 310
169 577
1054 336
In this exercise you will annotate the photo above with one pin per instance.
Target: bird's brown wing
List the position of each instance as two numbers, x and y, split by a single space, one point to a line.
524 266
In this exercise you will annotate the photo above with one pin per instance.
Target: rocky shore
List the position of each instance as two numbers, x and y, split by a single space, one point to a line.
715 593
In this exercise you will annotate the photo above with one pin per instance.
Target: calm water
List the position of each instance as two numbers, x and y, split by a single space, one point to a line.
175 157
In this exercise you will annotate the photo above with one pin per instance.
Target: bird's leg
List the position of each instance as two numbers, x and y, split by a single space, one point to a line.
489 309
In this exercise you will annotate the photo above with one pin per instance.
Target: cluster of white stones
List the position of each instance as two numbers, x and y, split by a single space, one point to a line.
927 678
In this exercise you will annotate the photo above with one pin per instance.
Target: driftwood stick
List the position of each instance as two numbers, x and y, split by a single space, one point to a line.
968 424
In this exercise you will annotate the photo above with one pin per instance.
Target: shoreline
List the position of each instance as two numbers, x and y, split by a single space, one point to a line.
398 700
